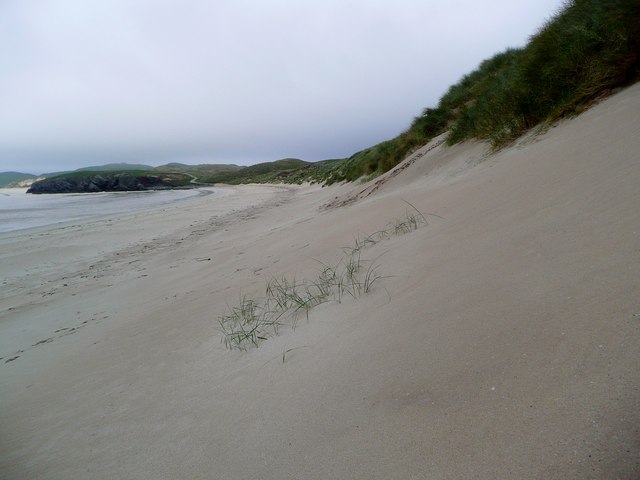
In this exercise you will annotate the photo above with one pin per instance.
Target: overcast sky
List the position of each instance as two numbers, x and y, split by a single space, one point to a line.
86 82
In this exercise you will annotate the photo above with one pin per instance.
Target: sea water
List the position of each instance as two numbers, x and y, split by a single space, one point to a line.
20 210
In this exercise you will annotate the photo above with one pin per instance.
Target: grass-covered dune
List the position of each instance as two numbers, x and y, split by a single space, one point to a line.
583 53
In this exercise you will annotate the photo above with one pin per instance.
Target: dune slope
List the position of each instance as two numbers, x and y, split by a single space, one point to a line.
502 342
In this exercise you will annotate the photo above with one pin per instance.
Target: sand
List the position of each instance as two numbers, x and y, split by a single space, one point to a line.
502 341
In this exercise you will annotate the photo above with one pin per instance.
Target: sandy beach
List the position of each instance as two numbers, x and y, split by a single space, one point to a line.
502 340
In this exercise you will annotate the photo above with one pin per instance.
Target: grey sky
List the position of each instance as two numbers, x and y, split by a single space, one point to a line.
84 82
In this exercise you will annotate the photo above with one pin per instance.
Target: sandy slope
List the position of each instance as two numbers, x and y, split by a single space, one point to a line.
502 344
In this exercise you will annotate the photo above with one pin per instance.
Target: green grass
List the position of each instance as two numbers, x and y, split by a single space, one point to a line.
577 57
246 323
287 299
282 171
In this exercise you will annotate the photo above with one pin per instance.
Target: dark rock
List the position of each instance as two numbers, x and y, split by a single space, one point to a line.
107 182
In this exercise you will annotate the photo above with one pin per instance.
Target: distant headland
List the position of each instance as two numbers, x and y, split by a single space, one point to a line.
135 177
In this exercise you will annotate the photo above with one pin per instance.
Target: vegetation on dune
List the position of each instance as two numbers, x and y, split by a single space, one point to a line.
251 321
581 54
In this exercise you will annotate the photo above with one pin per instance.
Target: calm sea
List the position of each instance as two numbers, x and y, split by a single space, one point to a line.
19 210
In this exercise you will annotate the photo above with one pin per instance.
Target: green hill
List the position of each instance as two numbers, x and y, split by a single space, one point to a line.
204 173
7 178
262 172
110 167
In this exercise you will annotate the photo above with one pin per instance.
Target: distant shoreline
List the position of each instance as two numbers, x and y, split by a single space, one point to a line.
20 211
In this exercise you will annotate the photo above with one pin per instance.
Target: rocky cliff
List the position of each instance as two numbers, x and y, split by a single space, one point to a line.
108 182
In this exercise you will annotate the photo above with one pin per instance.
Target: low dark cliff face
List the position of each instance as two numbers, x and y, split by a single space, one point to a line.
106 182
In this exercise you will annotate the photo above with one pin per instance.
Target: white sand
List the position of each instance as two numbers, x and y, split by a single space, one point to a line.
503 342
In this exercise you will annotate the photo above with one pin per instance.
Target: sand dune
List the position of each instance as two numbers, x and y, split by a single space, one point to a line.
502 341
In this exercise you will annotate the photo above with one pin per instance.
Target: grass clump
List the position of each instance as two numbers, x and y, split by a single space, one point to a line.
412 220
251 321
245 323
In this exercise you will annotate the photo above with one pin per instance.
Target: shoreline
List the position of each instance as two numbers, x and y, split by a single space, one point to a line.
101 216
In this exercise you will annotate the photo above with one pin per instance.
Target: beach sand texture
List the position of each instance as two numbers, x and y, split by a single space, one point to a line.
502 342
